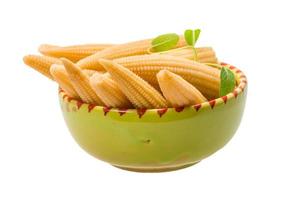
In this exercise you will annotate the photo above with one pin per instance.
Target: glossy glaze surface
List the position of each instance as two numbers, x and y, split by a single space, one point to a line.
156 139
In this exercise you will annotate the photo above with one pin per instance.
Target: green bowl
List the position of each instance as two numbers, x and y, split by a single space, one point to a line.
155 140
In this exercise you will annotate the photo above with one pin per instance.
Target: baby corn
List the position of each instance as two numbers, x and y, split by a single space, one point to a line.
91 72
81 83
73 53
41 64
178 91
108 91
138 91
117 51
204 78
60 75
204 54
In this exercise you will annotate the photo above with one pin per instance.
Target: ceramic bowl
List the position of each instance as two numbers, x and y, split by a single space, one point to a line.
155 140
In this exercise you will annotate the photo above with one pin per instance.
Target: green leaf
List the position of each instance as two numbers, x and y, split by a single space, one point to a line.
227 81
164 42
191 36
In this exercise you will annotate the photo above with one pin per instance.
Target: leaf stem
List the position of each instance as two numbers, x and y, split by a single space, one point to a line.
195 54
167 51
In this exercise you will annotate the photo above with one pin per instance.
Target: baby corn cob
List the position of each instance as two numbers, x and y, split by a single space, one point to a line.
178 91
205 78
108 91
73 53
41 64
91 72
138 91
60 75
204 54
81 83
117 51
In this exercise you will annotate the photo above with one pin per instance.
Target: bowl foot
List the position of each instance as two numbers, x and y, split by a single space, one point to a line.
156 169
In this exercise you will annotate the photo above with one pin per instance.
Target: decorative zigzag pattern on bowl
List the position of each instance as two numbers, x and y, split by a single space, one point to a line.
241 80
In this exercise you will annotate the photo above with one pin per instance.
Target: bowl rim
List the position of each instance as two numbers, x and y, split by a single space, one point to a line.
240 78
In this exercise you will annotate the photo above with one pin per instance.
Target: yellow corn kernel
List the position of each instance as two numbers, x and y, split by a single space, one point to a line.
60 75
205 78
178 91
41 64
73 53
81 83
138 91
204 54
117 51
108 91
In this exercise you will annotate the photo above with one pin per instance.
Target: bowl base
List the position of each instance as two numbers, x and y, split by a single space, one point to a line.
156 169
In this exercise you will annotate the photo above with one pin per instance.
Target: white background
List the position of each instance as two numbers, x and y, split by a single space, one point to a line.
40 160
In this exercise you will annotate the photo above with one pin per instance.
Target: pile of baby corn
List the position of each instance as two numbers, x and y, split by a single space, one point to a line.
129 75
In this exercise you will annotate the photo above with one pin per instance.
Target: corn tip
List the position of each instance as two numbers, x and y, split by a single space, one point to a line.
27 59
44 47
67 63
97 77
54 68
105 63
164 73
